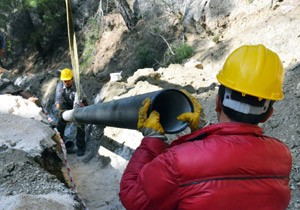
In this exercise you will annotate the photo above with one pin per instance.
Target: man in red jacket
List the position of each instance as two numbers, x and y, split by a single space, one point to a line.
230 165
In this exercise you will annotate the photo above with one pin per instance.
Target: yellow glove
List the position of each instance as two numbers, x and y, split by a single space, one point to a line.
150 126
195 119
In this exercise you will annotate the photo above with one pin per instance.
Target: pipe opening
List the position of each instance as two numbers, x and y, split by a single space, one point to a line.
170 104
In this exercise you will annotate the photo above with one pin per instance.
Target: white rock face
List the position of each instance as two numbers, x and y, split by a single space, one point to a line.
23 140
25 134
19 106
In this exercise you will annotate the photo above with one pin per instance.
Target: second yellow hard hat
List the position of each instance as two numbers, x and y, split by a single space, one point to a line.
66 74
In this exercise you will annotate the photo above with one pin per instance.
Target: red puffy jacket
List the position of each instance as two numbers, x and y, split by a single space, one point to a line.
226 166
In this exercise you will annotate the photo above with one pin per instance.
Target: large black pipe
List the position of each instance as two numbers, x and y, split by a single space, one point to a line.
123 113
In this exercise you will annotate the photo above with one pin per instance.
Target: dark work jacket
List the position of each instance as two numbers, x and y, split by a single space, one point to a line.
66 96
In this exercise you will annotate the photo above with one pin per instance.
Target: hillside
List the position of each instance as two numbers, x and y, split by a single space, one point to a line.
227 26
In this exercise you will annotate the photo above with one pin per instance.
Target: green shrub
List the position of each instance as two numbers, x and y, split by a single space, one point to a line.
146 56
149 56
181 52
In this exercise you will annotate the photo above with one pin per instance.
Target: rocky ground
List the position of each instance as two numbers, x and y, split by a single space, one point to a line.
26 147
98 173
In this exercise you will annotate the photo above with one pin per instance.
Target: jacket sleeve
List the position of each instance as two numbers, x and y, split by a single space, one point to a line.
149 180
58 93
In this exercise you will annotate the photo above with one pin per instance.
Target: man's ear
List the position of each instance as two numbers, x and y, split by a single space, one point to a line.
218 104
268 115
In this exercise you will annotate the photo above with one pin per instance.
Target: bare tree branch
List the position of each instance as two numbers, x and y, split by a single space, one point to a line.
169 46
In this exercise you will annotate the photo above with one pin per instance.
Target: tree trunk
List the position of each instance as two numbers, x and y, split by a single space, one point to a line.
127 14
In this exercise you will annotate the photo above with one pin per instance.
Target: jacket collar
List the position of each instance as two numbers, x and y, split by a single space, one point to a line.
221 129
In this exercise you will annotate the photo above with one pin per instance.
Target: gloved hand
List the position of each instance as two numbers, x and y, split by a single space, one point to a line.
150 126
195 119
59 114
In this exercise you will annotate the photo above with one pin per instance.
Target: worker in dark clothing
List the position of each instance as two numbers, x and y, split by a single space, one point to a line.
65 99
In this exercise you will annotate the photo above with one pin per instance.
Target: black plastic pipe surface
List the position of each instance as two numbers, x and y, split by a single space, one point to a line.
123 113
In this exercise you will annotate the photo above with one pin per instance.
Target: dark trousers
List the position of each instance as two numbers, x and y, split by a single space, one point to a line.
80 135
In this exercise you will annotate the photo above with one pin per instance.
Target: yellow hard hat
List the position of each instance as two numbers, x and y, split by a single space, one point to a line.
253 70
66 74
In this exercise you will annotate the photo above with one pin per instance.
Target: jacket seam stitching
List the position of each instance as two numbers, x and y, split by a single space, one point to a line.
234 179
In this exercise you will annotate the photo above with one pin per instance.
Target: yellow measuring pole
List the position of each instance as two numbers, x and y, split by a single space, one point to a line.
73 49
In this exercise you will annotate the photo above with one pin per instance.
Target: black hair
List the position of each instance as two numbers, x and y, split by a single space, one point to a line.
248 99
